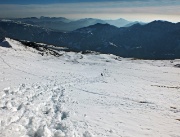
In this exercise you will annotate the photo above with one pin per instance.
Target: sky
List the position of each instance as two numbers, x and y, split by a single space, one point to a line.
133 10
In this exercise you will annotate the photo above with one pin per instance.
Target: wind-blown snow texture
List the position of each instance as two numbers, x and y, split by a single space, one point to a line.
77 95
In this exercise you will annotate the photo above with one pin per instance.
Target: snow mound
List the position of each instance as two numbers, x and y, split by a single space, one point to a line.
35 111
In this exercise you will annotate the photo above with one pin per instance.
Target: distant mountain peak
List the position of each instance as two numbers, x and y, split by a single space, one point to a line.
121 19
136 25
160 22
43 17
100 25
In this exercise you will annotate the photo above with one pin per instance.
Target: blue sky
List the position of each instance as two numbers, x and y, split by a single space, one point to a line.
142 10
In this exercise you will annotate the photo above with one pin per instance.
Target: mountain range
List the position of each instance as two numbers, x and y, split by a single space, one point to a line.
155 40
64 24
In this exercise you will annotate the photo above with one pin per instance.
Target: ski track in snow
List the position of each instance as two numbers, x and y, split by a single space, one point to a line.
79 95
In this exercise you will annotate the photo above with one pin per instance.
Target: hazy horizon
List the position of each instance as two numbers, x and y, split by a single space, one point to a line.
75 19
132 10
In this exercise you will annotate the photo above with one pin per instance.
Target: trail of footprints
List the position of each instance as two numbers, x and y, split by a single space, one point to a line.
35 111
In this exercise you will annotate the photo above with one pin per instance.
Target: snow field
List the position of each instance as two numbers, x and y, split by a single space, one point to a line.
77 95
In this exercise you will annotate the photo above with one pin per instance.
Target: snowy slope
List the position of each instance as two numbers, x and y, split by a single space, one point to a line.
86 95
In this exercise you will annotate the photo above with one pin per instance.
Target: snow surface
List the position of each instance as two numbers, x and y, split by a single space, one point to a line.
77 95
